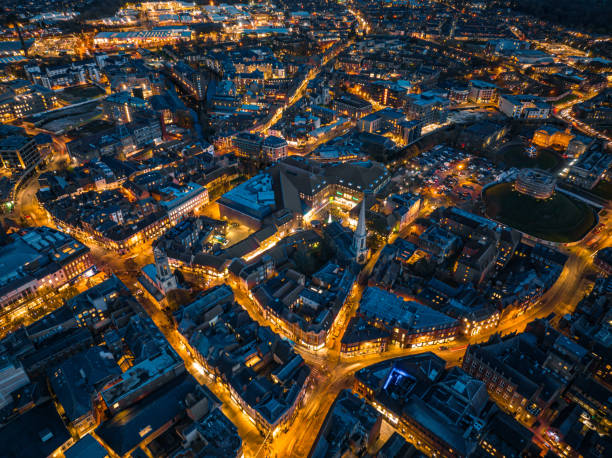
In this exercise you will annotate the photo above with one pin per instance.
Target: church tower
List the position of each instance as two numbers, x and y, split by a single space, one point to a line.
360 236
166 280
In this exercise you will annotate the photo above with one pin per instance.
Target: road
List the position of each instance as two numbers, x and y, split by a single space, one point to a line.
331 372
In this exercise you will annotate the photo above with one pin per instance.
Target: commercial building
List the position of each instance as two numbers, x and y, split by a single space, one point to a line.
535 183
247 145
443 411
18 152
304 309
408 323
180 201
524 107
39 258
482 92
302 186
591 167
142 38
274 148
263 374
352 106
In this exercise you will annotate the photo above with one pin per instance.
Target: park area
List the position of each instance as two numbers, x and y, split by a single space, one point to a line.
76 94
516 156
559 219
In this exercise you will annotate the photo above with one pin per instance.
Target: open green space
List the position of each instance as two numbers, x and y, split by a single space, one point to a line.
603 189
566 99
558 219
76 94
515 156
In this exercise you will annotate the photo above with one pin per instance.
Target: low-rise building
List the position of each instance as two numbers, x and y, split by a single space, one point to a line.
535 183
305 310
518 374
524 107
352 106
443 411
351 426
263 374
590 168
409 323
274 148
482 92
38 258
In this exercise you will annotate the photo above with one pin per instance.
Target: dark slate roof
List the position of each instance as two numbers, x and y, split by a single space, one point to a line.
129 428
36 433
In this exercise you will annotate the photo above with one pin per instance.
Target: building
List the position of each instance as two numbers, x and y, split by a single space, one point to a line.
159 275
38 432
524 107
409 323
535 183
19 99
274 148
39 258
591 167
603 260
428 107
552 137
181 201
476 261
370 123
142 38
441 411
303 187
77 382
262 372
121 107
406 206
482 92
517 374
350 425
247 145
305 309
352 106
18 152
411 130
150 364
482 136
12 377
191 81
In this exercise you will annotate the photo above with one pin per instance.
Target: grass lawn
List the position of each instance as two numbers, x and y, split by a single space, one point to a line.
76 94
558 219
568 98
603 190
515 156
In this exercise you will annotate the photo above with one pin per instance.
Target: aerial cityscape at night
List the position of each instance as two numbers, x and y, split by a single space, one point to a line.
305 228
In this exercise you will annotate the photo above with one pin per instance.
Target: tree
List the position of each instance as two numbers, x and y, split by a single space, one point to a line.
177 298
